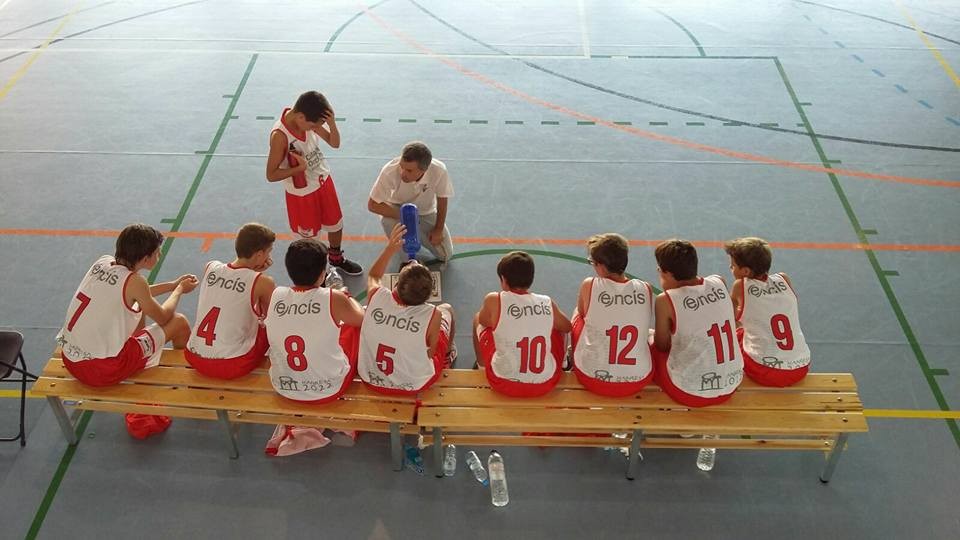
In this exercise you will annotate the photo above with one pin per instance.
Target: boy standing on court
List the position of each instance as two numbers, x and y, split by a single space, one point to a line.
296 159
696 360
519 336
228 340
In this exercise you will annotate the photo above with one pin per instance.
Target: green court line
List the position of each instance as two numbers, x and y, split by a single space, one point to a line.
733 123
442 121
407 120
600 56
834 161
168 242
685 31
805 104
265 118
343 26
201 152
514 122
696 124
168 220
371 119
57 478
874 263
769 124
478 121
659 123
891 273
585 123
234 117
549 123
624 123
339 119
939 371
870 231
228 96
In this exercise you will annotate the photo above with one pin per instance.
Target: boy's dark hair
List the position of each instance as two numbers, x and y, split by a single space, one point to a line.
751 252
312 104
418 152
517 269
306 260
135 243
414 284
610 250
678 257
251 238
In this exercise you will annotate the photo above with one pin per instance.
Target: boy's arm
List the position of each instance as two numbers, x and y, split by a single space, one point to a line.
375 274
139 291
489 310
664 317
736 295
278 151
330 134
163 288
263 290
583 299
433 332
346 309
560 321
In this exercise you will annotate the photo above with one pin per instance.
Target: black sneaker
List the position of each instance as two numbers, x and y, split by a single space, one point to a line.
347 266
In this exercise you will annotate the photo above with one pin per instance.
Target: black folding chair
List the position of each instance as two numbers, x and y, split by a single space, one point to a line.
11 344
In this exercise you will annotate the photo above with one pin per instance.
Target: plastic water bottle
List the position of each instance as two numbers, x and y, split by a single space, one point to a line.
413 460
498 480
707 456
450 460
473 461
411 239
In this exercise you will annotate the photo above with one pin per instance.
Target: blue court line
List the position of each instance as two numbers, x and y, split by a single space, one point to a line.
841 45
900 88
878 72
925 104
952 121
857 58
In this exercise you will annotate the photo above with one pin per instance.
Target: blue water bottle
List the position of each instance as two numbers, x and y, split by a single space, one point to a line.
411 239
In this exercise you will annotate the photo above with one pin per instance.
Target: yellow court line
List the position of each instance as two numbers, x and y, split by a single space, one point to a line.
16 394
36 54
926 41
912 413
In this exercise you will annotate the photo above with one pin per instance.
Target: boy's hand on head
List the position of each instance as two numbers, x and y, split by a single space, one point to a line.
329 118
188 283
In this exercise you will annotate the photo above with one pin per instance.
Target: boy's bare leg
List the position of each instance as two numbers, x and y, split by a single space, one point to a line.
177 331
476 340
336 258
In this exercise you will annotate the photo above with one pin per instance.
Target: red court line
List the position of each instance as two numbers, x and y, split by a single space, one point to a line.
649 134
209 237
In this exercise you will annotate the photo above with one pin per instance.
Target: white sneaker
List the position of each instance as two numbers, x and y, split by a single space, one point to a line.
333 280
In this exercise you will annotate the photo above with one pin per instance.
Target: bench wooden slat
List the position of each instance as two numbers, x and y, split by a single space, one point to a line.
700 421
605 442
579 398
814 382
178 412
210 399
253 382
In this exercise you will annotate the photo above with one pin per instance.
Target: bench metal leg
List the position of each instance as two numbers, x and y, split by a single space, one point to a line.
438 452
833 457
66 426
634 453
228 429
396 447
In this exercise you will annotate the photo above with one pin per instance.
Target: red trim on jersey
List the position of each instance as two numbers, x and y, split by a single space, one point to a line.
232 267
231 368
396 298
624 280
621 389
514 388
743 299
254 305
673 322
768 376
206 267
123 295
290 130
578 322
662 378
297 288
332 318
370 294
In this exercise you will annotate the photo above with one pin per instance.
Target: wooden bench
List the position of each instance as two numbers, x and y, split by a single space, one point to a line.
175 389
816 414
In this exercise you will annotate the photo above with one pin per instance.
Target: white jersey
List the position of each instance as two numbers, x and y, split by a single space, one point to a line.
771 327
309 147
98 320
394 353
522 339
612 346
227 314
306 361
705 360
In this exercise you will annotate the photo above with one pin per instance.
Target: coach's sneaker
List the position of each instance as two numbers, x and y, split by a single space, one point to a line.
345 265
333 280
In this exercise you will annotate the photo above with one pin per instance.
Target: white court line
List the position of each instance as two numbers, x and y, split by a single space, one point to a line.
145 50
4 4
584 34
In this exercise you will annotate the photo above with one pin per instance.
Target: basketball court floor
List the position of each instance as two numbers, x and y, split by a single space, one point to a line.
830 128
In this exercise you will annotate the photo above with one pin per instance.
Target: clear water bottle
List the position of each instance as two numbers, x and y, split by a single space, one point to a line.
498 480
450 460
707 456
473 461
